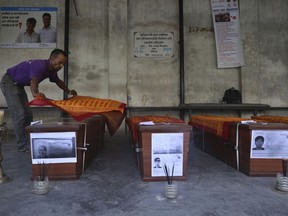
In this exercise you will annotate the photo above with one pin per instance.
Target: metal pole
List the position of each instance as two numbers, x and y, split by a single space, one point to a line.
181 60
66 44
66 49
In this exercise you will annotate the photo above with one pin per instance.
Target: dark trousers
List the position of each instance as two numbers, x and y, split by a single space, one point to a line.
16 99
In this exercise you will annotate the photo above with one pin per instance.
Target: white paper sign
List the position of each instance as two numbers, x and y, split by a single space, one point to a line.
167 148
53 147
228 40
269 144
154 44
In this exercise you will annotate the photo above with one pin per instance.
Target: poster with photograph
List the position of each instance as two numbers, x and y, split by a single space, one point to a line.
167 148
228 40
53 147
28 27
269 144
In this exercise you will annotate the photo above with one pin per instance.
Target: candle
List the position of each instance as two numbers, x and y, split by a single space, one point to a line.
284 166
1 116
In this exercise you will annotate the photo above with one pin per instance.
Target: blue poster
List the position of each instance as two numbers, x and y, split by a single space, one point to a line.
28 27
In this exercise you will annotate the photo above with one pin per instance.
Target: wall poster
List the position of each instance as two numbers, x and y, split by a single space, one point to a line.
269 144
228 39
153 44
53 147
28 27
167 148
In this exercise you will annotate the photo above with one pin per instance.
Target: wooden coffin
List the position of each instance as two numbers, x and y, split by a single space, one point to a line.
146 161
95 132
237 154
89 140
257 166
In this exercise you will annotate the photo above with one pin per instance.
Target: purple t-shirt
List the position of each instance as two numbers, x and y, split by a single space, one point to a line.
23 72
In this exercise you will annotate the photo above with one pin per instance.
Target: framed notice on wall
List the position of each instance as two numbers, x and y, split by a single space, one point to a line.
153 44
269 144
28 27
167 149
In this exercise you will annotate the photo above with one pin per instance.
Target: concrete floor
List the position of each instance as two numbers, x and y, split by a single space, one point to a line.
111 185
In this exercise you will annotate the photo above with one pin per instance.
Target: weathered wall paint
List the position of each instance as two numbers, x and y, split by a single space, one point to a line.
265 36
153 81
88 65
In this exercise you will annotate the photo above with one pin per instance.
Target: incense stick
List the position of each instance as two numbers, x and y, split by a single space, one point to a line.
284 166
167 174
43 170
172 173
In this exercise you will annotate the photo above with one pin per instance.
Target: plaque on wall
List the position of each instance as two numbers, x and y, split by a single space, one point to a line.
153 44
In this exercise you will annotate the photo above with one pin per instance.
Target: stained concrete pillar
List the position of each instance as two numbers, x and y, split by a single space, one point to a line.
118 46
251 77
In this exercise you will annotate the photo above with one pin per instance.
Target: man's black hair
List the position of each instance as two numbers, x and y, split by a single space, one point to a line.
31 20
259 138
56 52
46 14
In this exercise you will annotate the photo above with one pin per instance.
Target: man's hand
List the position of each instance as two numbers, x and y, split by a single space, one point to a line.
62 85
72 92
40 95
34 88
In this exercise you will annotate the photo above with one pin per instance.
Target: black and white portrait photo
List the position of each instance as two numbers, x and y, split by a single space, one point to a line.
53 147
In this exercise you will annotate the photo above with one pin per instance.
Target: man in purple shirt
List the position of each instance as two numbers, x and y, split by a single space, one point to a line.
30 73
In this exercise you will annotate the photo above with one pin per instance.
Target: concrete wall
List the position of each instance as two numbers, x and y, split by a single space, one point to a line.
265 37
153 81
88 46
204 83
102 63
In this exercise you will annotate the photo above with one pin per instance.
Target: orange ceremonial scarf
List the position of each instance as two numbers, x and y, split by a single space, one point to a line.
271 119
82 107
218 125
133 122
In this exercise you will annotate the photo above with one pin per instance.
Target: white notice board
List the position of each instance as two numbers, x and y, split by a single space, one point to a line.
154 44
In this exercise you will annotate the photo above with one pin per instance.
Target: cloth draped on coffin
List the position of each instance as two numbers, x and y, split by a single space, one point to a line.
217 125
133 122
82 107
271 119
